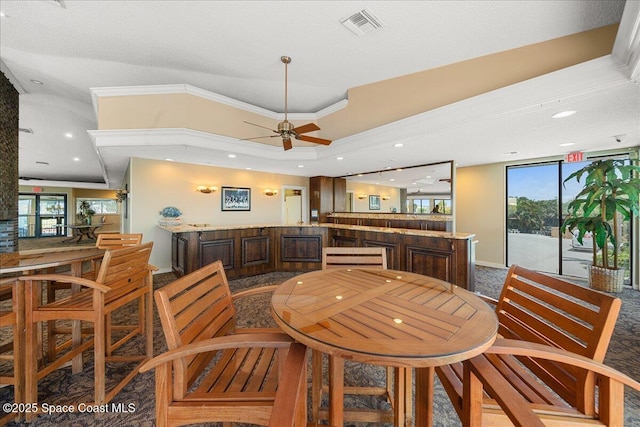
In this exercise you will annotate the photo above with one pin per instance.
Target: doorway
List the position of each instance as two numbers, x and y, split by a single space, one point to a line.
42 215
294 205
537 203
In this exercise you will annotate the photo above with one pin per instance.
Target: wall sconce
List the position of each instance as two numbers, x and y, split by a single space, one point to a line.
386 197
270 193
206 190
362 196
121 195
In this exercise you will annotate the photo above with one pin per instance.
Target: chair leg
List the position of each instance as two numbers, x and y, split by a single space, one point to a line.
99 343
149 317
30 359
316 384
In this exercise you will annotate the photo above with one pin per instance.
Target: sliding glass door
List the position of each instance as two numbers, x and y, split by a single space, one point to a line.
536 206
532 217
41 215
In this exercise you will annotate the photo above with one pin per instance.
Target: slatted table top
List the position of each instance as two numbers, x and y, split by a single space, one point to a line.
386 317
45 258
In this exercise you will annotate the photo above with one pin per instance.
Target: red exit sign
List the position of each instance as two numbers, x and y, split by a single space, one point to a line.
575 156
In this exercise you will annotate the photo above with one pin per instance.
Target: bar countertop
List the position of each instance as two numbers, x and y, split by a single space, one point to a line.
195 227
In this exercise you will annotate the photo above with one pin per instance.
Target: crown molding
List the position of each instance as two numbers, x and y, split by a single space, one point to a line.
626 49
99 92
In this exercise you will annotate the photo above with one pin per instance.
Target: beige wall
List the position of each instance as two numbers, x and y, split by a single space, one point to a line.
480 204
155 185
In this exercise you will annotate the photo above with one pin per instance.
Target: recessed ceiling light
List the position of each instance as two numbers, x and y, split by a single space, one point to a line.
3 15
566 144
231 156
38 82
339 158
169 160
563 114
76 159
392 179
388 167
68 135
300 166
399 144
248 169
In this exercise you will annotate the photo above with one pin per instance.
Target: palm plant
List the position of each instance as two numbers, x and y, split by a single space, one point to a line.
610 194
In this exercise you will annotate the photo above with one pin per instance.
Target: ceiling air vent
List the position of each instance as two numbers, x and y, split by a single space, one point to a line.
362 22
59 3
25 130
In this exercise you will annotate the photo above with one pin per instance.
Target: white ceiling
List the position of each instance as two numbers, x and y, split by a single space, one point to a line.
233 48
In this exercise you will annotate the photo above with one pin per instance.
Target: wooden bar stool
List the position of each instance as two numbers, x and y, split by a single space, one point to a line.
12 351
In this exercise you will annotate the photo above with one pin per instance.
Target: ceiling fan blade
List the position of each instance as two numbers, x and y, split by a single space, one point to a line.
314 139
260 126
286 142
306 128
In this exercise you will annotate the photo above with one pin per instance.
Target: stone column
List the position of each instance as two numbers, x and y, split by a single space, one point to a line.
8 172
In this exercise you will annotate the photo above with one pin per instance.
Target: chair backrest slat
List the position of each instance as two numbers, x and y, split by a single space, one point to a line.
125 269
193 308
118 240
539 308
354 257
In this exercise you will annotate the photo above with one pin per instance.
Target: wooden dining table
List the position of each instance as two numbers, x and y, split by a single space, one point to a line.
384 317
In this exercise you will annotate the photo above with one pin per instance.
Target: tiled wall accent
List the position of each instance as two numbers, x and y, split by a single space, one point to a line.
8 168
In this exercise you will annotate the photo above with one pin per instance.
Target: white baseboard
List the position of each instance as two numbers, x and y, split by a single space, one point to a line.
491 265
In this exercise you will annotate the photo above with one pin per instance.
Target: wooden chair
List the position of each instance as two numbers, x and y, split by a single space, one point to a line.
350 257
250 375
106 241
11 349
117 240
124 276
547 365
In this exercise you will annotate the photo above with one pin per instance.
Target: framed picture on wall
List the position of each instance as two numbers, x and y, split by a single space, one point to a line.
236 199
374 203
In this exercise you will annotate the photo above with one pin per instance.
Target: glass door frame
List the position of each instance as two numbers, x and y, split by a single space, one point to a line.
633 235
38 215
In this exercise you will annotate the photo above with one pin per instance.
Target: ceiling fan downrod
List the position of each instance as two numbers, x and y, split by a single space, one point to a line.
285 60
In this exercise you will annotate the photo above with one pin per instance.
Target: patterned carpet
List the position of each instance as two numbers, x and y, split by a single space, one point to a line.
61 387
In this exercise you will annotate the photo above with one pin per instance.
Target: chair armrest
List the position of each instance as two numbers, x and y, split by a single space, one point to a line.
67 279
272 340
487 299
289 406
541 351
253 291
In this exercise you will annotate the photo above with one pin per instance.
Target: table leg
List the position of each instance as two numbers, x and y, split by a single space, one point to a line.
336 391
77 236
400 397
424 396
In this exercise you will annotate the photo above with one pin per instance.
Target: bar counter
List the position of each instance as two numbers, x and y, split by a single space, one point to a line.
261 248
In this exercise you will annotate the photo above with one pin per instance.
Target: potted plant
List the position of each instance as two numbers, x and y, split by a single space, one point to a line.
610 195
85 212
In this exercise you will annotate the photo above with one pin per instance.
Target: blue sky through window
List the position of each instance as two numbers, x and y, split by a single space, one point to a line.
540 182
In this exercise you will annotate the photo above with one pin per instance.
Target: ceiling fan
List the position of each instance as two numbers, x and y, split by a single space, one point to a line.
286 130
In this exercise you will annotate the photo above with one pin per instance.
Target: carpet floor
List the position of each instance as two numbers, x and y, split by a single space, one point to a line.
61 387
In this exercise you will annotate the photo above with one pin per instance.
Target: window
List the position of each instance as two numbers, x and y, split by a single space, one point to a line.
419 206
443 205
100 206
